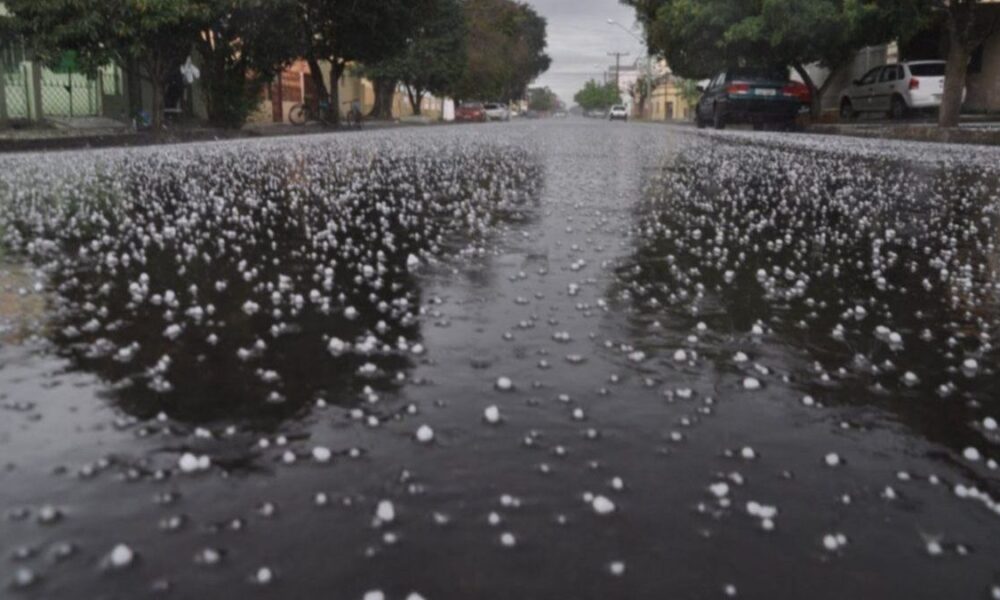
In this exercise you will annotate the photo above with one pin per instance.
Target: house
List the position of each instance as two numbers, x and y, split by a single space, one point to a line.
666 101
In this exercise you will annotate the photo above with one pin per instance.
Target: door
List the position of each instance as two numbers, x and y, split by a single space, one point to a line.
864 89
885 88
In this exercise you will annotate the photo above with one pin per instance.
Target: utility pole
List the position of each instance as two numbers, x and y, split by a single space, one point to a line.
618 67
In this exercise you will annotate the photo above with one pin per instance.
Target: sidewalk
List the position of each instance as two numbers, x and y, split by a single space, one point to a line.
974 129
104 135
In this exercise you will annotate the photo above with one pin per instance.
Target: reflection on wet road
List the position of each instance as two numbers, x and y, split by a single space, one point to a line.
543 360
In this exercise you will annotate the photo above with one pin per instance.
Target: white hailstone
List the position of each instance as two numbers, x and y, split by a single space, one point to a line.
504 384
425 434
603 505
374 595
748 453
751 383
263 576
189 463
492 414
740 357
350 313
990 424
729 590
412 262
757 330
415 596
834 541
250 307
680 356
172 332
934 547
121 556
417 349
336 346
910 379
637 356
385 512
321 454
507 539
832 459
970 366
720 489
616 568
971 454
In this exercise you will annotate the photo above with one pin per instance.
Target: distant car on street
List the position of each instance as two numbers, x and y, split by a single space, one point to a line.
896 89
496 111
759 96
560 114
618 112
471 112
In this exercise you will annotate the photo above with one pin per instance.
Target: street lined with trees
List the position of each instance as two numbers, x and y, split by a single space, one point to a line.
469 49
698 38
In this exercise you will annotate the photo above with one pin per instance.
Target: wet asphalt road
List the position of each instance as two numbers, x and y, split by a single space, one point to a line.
632 362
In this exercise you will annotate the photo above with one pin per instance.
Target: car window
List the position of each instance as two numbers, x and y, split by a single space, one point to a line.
870 76
759 74
889 74
927 70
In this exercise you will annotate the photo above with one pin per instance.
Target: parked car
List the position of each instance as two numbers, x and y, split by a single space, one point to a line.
618 112
803 93
759 96
896 89
496 112
471 111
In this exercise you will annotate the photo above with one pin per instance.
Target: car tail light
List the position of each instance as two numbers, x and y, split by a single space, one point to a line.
738 88
914 83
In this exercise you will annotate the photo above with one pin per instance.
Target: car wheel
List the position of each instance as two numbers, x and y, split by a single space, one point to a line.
698 121
718 118
898 108
847 110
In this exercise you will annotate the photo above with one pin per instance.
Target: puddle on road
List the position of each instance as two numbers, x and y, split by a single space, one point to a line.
616 361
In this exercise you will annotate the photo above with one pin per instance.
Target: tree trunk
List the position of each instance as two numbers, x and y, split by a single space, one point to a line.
815 93
955 71
385 93
317 76
416 97
157 79
336 72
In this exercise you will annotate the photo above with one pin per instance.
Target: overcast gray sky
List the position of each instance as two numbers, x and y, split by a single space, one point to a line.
580 38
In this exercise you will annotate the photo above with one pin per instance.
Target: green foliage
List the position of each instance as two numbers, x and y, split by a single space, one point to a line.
243 45
542 100
597 96
700 37
506 50
433 58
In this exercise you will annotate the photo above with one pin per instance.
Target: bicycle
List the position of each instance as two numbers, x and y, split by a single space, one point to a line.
302 113
353 117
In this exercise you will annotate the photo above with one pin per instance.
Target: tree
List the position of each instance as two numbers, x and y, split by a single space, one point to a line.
433 59
641 90
157 34
244 44
698 38
542 100
968 26
597 96
506 50
346 31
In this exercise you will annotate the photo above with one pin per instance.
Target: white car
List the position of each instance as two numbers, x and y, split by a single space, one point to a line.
896 89
618 112
497 112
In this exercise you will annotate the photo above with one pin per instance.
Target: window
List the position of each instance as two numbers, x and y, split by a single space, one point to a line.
870 76
928 69
891 73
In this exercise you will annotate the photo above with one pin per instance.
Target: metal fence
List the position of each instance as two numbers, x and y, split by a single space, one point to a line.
69 95
16 92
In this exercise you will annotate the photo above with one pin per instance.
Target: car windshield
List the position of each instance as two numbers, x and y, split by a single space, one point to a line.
619 107
932 69
472 105
759 74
